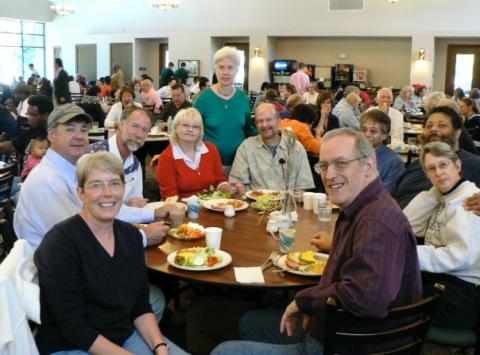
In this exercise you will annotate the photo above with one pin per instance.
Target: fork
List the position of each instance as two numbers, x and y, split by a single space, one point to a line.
267 263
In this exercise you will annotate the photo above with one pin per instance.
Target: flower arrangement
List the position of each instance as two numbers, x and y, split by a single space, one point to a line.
288 201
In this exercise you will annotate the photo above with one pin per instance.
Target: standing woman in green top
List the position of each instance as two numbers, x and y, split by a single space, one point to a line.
225 110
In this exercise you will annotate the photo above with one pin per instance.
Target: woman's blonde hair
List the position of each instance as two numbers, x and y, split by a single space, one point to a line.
103 161
180 117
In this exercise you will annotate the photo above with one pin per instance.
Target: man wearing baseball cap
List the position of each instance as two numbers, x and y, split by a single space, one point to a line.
49 196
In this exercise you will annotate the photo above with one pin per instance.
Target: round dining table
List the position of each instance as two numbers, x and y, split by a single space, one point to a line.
246 239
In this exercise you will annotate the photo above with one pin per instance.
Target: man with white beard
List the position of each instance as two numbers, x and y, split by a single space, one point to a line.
132 132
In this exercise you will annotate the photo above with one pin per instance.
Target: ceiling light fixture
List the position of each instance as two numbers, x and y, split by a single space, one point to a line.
393 2
62 8
165 4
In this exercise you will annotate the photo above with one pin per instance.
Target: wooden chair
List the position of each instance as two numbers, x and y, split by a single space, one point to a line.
411 323
8 237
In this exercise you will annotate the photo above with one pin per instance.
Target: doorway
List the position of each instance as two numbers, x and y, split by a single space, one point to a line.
163 56
463 68
122 53
241 80
86 55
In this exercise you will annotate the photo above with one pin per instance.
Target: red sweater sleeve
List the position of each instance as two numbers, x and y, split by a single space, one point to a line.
165 174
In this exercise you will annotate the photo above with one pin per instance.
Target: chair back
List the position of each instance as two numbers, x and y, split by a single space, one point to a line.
7 174
405 327
76 98
7 233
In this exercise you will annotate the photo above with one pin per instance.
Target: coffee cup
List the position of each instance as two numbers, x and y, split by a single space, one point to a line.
213 237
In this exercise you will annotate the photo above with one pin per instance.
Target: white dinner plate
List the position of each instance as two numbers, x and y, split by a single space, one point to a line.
226 260
252 196
210 204
282 264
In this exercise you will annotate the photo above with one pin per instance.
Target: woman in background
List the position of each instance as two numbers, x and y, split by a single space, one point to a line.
327 120
225 110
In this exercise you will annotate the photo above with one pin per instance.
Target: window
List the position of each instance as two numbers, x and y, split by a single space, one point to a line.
464 71
21 43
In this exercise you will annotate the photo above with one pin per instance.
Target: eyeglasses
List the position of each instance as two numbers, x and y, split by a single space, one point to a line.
337 165
99 186
431 169
189 126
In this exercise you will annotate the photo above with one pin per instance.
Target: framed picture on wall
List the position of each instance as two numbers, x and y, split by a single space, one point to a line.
193 66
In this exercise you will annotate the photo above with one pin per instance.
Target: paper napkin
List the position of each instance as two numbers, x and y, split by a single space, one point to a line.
249 275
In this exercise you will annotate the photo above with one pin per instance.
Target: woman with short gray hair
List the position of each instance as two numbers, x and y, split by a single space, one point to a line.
226 110
94 293
405 101
451 252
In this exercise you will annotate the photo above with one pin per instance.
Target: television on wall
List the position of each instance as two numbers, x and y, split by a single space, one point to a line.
284 65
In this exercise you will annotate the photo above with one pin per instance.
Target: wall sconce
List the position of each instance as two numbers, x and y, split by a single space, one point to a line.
421 54
257 52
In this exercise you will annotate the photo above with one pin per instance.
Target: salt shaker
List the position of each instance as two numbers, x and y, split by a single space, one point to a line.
229 211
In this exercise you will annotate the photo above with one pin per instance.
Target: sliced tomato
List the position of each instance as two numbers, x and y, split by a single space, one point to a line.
212 260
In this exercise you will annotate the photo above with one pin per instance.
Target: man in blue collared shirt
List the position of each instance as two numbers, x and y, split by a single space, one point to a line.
55 183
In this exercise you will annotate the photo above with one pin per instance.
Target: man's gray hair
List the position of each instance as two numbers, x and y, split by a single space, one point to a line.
363 147
227 52
351 88
384 89
131 109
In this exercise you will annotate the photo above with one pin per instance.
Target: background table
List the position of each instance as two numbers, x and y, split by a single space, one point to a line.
248 243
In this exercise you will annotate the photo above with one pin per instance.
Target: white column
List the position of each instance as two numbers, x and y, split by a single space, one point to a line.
421 71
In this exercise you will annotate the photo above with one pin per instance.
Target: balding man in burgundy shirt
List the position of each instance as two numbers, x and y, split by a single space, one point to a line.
373 263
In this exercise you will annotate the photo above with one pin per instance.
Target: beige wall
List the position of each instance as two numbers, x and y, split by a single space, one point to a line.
387 59
440 68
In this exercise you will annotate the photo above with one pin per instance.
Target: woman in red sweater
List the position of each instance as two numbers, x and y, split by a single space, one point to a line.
189 165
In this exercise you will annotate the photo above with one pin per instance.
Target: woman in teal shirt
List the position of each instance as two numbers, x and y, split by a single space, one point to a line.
225 110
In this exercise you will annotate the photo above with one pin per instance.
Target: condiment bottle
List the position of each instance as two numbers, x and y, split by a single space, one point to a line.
229 211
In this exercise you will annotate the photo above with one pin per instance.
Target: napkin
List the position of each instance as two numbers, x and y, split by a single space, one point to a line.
249 275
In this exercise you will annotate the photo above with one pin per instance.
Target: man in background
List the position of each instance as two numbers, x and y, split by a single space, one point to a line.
300 79
181 74
384 102
179 102
60 84
117 78
166 74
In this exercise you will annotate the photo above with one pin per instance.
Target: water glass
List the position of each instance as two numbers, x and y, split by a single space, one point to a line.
287 237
